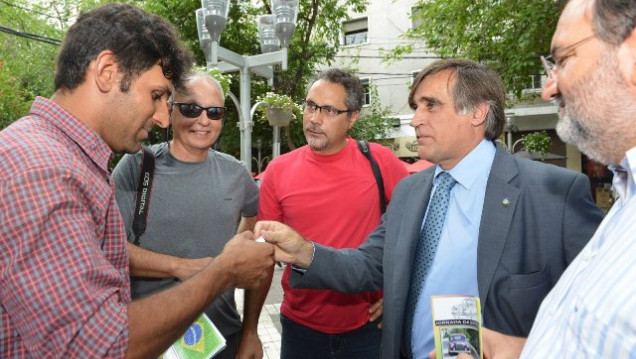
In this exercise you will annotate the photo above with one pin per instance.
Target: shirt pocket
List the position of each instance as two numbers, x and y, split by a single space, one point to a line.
522 296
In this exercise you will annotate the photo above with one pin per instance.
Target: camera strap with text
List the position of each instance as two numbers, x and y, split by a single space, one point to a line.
144 187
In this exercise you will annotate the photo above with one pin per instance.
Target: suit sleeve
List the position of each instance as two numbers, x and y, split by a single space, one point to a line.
581 217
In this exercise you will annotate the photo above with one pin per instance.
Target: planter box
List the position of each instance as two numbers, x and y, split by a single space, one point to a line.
278 117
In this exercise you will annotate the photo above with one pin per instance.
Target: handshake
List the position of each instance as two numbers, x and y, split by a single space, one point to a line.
250 257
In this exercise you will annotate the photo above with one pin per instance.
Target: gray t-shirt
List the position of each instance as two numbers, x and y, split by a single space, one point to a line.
194 211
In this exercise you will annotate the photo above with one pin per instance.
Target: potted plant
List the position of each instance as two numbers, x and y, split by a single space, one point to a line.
279 110
537 142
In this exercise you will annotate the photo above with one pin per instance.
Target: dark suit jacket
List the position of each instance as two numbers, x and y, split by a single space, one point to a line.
536 218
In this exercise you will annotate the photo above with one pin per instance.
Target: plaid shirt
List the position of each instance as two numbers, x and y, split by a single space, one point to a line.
64 285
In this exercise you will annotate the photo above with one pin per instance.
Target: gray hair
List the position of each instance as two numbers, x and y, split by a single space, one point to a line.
614 20
350 82
475 85
193 76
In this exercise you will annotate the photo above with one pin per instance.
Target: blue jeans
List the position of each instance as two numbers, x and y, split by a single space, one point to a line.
301 342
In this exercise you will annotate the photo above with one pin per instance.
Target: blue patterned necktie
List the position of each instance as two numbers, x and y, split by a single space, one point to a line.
426 248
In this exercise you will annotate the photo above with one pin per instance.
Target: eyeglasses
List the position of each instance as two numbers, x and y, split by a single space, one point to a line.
310 108
550 63
192 110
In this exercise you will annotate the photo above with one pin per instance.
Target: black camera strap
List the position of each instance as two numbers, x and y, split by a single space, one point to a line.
366 151
144 187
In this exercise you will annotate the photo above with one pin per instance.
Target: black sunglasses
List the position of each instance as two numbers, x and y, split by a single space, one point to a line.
192 110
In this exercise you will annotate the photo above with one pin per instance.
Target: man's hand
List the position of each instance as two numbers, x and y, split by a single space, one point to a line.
501 346
248 262
376 311
291 247
433 355
250 347
188 267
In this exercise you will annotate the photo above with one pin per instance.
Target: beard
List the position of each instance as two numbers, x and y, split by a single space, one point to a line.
597 112
316 144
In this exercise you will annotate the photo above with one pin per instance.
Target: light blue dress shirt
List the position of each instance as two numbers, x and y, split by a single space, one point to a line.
591 311
454 269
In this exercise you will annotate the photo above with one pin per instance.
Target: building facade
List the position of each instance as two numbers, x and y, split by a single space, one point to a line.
368 37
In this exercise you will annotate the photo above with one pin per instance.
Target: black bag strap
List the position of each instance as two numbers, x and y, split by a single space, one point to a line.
366 151
144 187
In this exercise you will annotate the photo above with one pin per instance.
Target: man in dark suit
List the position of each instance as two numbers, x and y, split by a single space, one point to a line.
509 229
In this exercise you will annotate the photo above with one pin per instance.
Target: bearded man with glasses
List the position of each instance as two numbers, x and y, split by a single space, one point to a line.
591 311
198 197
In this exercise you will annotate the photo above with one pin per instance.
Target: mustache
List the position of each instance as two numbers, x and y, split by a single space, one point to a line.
313 128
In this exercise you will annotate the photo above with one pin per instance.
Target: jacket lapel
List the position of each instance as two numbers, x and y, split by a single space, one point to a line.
499 206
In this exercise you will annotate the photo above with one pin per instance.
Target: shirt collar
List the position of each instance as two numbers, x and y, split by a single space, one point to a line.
77 131
473 165
624 174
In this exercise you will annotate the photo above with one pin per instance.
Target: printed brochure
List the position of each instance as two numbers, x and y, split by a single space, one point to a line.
457 326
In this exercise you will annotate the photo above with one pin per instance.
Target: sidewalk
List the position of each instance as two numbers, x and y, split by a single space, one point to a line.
269 320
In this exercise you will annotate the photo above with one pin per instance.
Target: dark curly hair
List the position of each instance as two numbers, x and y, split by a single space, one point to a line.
138 39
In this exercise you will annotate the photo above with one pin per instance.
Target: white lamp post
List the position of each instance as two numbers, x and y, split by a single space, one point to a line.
510 128
212 17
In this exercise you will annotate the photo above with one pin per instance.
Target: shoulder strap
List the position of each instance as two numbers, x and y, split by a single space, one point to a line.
366 151
144 187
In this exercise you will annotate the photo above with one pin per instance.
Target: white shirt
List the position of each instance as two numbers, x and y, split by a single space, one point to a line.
591 312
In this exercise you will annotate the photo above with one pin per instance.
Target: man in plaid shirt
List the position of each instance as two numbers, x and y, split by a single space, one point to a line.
64 280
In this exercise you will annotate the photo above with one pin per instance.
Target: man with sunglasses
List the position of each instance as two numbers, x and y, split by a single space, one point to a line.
328 192
198 198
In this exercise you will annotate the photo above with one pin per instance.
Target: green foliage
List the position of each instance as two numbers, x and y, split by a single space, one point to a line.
277 101
375 123
26 65
538 141
15 100
315 42
29 69
224 80
509 36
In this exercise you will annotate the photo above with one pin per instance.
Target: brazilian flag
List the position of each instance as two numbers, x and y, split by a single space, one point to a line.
202 340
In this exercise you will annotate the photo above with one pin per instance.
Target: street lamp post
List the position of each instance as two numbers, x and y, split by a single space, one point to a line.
259 160
510 129
211 19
